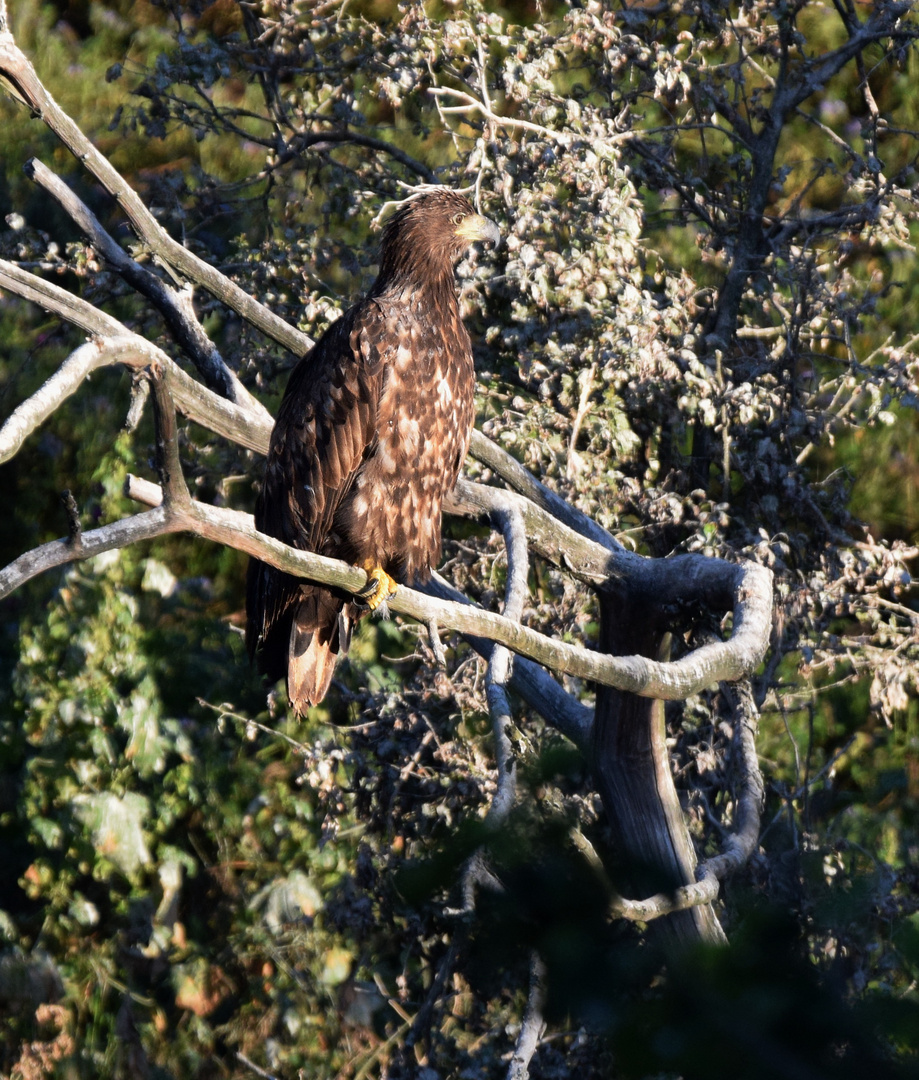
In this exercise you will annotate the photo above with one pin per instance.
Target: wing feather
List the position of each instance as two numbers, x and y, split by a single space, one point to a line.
323 432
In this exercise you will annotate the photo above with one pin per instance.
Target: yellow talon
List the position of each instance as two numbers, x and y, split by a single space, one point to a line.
379 588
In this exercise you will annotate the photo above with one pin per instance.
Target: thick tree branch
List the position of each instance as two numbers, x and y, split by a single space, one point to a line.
637 674
174 305
687 581
536 686
510 521
249 426
521 479
533 1025
19 73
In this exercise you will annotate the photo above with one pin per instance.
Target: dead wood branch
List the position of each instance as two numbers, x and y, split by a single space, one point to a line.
237 530
19 73
174 305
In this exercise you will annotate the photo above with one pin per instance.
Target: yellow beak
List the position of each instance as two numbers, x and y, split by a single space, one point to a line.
476 227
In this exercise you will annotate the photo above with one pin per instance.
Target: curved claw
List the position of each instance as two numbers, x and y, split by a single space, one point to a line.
379 588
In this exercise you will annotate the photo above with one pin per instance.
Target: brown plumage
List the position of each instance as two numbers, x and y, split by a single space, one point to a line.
369 438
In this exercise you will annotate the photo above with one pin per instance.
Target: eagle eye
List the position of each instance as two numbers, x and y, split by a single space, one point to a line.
458 219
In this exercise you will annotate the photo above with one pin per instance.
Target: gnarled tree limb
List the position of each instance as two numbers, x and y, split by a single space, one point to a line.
637 674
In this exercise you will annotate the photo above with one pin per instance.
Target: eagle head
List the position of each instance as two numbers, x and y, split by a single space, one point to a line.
428 235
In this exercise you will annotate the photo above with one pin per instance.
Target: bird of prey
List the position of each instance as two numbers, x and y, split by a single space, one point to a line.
370 436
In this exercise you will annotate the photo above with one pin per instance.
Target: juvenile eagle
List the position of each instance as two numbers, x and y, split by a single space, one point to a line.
369 438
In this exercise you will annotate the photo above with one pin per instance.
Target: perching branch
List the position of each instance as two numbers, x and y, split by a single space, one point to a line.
746 589
531 682
237 530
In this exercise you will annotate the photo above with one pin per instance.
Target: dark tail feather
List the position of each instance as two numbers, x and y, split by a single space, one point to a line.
270 599
319 633
297 631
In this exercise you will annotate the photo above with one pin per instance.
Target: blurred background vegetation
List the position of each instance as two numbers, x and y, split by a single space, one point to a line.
196 885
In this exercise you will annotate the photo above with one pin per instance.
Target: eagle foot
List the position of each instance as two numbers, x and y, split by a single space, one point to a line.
379 588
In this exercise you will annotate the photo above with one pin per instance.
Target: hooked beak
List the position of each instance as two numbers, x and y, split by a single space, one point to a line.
476 227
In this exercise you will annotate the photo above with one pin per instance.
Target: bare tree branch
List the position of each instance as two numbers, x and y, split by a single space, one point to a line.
249 426
521 479
499 666
174 305
32 413
689 581
793 86
18 72
532 1025
637 674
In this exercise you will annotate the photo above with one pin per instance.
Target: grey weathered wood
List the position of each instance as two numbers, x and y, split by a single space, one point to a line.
631 764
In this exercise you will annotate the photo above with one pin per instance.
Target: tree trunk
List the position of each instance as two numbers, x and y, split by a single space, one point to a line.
632 768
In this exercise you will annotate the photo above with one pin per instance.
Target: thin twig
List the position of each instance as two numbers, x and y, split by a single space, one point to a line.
469 104
252 1067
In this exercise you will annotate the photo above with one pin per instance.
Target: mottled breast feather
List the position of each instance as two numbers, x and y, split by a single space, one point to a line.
370 436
